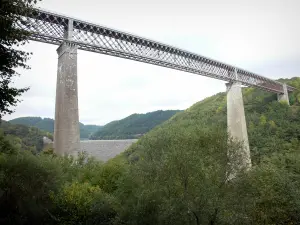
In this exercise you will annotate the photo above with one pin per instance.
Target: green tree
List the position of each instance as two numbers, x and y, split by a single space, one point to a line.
179 178
268 194
262 120
28 138
82 203
133 126
11 58
25 184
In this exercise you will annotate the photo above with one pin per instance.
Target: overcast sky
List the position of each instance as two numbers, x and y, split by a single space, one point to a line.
262 36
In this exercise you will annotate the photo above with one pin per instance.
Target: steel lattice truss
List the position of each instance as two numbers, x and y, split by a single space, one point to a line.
52 28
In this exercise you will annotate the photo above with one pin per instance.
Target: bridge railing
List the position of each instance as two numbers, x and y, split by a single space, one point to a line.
52 28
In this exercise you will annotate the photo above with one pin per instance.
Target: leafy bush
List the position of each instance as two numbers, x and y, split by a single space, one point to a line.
25 183
82 203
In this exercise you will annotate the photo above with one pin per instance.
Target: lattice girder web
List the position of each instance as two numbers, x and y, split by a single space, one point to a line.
51 28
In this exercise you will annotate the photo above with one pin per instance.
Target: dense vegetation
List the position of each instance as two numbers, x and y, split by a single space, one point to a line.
47 124
86 131
24 137
175 174
179 168
133 126
271 125
10 57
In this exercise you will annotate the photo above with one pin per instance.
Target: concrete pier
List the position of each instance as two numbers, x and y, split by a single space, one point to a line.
237 128
284 96
66 127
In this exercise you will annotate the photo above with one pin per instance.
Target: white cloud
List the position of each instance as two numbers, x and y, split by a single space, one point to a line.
257 35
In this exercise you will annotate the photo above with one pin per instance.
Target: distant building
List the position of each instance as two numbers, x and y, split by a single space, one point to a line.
47 141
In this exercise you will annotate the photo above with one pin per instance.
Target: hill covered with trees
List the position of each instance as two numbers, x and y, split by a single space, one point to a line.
271 125
177 173
179 170
47 124
24 137
133 126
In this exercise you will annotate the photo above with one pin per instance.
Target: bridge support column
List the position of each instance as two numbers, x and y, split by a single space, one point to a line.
66 128
284 96
237 129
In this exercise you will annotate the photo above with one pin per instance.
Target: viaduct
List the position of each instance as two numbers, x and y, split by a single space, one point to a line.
71 34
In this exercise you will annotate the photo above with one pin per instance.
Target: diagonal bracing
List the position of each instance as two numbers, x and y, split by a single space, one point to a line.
50 28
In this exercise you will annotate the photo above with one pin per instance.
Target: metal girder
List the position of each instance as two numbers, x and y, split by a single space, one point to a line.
52 28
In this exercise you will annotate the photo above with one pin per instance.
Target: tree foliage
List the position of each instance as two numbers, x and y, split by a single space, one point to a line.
133 126
47 124
10 57
24 137
175 174
47 189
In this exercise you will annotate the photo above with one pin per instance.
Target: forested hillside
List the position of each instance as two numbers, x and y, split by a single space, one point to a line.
175 174
24 137
272 126
178 170
133 126
47 124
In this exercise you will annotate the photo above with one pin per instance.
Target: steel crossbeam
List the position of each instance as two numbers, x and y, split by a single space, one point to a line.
53 28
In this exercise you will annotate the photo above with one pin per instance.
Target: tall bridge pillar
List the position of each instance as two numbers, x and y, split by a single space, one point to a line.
237 128
284 96
66 127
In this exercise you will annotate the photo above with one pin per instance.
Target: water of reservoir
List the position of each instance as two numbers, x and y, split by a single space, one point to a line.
105 149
